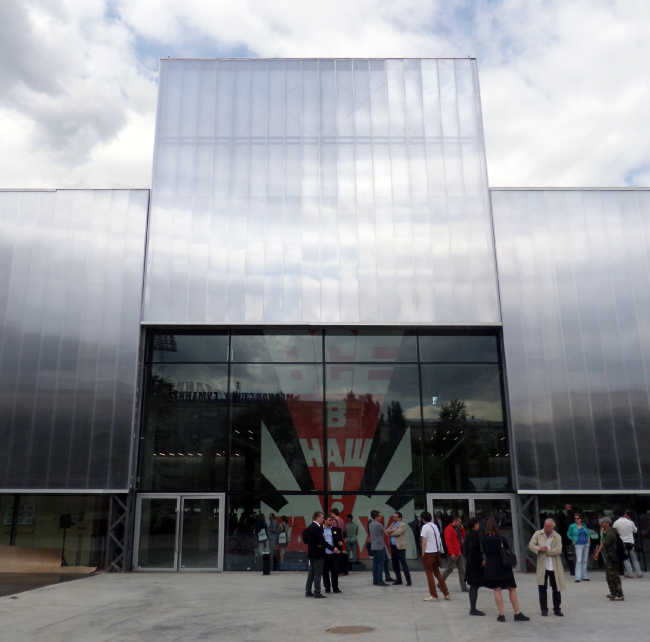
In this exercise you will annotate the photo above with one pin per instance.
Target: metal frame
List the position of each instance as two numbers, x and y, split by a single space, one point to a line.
528 517
471 498
120 514
178 546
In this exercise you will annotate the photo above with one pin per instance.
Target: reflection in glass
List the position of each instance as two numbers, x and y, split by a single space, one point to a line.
200 533
370 345
460 349
185 428
501 511
39 521
373 428
6 513
276 428
274 345
199 348
249 515
465 434
445 509
157 545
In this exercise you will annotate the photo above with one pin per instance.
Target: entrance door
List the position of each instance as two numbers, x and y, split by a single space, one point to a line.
179 533
499 506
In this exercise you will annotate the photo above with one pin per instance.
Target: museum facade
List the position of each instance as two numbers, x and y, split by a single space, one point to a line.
319 304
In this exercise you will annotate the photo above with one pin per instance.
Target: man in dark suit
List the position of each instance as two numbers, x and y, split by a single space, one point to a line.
316 545
334 536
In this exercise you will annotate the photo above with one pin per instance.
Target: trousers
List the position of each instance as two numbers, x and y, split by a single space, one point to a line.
613 579
582 555
458 563
314 575
432 569
331 567
399 559
378 558
633 561
543 592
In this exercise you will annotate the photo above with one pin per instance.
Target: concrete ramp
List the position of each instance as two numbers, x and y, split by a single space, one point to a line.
28 559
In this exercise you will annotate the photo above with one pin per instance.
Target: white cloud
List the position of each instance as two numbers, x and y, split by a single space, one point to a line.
564 84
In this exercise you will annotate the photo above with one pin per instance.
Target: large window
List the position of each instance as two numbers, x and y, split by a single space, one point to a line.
332 412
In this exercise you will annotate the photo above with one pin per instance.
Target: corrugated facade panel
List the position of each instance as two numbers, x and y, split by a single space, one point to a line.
574 280
71 269
320 191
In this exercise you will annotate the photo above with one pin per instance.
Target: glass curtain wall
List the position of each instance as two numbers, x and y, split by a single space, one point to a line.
294 420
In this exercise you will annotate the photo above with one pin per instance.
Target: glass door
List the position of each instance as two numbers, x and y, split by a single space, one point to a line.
201 534
179 532
156 533
499 506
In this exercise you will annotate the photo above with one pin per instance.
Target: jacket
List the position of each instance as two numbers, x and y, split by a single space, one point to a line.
574 531
538 541
376 530
351 532
399 533
337 536
316 543
494 569
610 545
473 559
451 540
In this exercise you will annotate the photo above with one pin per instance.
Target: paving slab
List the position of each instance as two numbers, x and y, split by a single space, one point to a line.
247 607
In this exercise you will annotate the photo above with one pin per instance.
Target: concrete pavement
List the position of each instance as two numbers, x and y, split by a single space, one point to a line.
242 607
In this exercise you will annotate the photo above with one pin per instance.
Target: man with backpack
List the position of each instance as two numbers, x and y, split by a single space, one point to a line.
613 559
316 544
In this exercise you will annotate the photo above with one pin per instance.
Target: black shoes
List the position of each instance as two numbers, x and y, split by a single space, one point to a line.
390 579
397 583
382 584
337 591
309 594
328 590
477 612
465 590
520 617
502 618
408 584
545 613
558 612
320 596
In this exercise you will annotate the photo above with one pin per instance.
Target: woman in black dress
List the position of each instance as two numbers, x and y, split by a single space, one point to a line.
496 575
474 563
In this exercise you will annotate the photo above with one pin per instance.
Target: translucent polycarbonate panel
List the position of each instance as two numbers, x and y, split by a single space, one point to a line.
320 191
71 267
574 279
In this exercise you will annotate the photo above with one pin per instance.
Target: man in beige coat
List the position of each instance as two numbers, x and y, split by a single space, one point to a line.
547 544
397 533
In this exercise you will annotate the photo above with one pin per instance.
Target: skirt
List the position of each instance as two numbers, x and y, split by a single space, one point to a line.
507 583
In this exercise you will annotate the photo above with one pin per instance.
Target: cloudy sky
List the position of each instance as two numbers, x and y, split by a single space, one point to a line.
565 84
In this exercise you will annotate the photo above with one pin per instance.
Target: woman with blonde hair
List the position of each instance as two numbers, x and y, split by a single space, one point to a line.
496 575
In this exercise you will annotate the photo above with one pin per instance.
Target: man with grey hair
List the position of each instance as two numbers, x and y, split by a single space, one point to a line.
547 545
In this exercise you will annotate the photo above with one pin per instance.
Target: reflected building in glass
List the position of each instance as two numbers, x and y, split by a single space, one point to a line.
321 306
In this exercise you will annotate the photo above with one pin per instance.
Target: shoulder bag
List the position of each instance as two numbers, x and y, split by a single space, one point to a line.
508 559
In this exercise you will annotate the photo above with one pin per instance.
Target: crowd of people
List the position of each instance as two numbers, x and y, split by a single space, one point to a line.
482 558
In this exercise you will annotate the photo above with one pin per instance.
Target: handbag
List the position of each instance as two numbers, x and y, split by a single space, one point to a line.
369 549
282 537
262 536
508 559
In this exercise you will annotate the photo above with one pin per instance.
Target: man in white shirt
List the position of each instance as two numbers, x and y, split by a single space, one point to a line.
431 549
547 545
626 528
